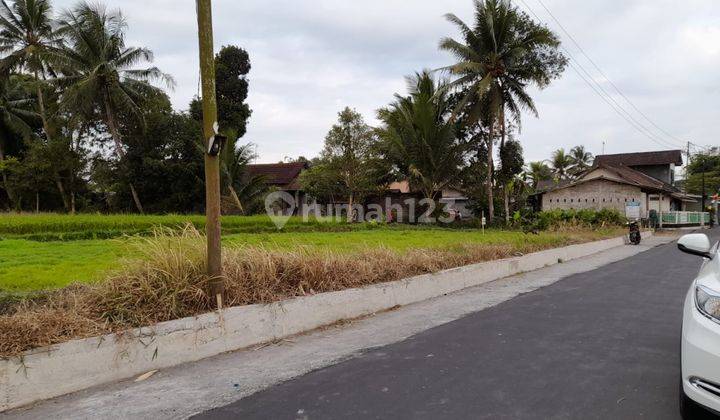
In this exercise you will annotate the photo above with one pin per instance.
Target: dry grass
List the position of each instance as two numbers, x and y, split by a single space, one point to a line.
169 283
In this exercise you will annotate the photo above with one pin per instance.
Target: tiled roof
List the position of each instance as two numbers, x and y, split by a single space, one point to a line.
283 175
663 157
551 184
624 175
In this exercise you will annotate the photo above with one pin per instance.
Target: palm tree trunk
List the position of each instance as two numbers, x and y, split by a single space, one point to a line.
115 133
235 198
502 147
37 201
41 105
72 203
503 128
46 129
490 172
506 197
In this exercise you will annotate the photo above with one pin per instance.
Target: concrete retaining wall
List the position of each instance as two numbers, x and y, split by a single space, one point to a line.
79 364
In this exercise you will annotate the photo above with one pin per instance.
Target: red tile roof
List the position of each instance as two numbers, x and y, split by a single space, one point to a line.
281 175
624 175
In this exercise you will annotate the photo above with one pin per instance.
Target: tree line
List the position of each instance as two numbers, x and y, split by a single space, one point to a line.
86 125
454 123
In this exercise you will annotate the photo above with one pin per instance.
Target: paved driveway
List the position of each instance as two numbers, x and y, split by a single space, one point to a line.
601 344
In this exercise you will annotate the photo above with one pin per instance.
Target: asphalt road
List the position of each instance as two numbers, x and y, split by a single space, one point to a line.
601 344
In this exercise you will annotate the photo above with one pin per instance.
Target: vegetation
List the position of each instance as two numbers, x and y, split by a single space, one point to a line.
167 281
704 174
419 138
499 56
86 128
85 125
560 219
349 167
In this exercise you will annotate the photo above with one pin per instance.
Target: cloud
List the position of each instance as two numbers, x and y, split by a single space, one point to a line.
310 58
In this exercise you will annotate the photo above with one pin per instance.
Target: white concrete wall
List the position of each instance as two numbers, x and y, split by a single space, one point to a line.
49 372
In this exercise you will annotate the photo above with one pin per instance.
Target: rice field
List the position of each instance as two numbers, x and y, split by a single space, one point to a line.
49 251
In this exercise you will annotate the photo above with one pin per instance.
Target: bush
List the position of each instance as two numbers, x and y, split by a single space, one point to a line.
555 219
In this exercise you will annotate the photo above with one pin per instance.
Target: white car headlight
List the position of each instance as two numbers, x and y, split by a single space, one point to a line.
708 301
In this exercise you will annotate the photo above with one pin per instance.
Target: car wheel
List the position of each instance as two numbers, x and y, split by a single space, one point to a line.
690 410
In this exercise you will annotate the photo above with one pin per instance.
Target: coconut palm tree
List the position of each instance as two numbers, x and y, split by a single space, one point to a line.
419 138
581 159
499 56
240 186
29 41
561 164
16 118
99 75
536 172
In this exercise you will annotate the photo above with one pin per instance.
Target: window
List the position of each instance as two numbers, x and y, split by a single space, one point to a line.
564 200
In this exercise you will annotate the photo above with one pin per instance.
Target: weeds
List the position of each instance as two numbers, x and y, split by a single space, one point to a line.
169 281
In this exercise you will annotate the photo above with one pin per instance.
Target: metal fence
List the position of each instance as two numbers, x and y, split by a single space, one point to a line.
684 218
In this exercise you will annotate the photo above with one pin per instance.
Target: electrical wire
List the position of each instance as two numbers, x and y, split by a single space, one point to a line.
604 95
599 70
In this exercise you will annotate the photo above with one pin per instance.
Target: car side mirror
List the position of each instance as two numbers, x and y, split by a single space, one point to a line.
695 244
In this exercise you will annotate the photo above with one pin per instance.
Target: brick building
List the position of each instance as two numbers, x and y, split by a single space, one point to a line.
618 182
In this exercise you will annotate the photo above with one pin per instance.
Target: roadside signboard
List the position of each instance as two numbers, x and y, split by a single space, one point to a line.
632 210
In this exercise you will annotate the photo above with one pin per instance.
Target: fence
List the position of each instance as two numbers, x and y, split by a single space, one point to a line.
677 218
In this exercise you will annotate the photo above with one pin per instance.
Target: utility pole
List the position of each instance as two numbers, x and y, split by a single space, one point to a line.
702 200
212 162
687 164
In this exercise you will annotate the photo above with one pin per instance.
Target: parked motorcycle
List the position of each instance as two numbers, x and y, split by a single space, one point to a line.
634 234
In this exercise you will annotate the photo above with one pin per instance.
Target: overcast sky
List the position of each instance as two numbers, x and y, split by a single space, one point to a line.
310 58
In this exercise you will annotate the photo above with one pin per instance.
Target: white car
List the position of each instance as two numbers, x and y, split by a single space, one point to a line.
700 349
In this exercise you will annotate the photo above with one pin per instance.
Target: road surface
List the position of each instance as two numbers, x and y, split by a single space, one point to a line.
599 344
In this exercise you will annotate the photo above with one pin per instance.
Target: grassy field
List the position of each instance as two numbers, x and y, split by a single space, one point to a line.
28 264
57 227
134 280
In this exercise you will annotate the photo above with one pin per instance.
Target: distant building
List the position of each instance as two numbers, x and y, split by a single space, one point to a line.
283 177
449 198
620 181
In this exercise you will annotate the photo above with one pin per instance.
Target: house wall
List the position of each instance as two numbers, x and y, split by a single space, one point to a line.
664 173
596 195
659 202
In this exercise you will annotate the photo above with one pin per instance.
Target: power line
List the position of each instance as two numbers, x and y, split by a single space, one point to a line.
616 108
582 51
602 93
615 105
605 96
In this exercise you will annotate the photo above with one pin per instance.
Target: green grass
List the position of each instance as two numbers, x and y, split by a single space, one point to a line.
53 227
395 239
28 265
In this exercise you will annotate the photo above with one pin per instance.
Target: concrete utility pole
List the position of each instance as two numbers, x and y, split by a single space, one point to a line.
212 162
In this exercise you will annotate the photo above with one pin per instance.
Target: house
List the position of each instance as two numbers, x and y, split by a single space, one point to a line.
624 182
283 177
449 198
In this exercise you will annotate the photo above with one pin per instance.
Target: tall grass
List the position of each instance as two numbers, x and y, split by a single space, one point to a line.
169 282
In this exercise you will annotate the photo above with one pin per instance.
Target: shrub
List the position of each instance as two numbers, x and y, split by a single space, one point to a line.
558 218
169 282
